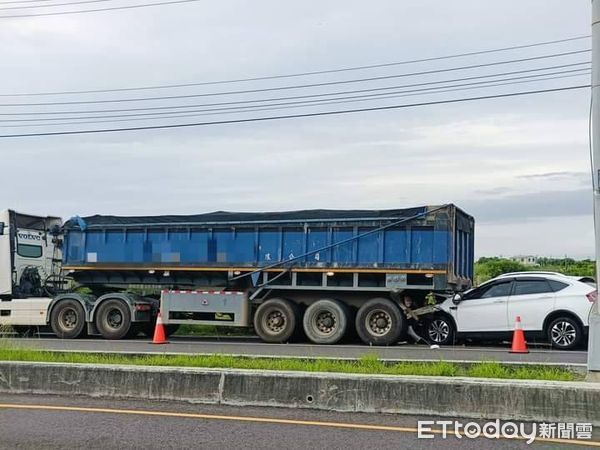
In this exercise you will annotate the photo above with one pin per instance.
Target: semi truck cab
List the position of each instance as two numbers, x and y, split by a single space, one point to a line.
35 293
30 259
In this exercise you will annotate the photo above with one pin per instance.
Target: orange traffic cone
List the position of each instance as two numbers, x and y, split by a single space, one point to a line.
159 332
518 343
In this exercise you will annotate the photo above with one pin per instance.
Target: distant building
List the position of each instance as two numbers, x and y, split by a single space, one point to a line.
527 260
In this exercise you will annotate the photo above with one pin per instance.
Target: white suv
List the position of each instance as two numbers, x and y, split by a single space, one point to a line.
551 305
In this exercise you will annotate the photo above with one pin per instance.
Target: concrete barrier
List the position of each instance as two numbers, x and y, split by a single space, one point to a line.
453 397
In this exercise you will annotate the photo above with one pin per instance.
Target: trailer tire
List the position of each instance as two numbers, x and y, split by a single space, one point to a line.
380 322
276 320
67 319
326 321
113 319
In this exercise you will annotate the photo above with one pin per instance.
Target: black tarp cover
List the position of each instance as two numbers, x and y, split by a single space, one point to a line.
240 217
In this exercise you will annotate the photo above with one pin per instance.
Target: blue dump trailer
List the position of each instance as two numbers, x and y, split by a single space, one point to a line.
320 272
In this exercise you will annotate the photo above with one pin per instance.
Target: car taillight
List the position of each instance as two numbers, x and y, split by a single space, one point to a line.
592 296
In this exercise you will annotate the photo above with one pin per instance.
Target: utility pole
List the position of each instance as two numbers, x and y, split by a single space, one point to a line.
594 338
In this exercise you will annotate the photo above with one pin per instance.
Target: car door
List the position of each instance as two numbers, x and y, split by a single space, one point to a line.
484 309
532 299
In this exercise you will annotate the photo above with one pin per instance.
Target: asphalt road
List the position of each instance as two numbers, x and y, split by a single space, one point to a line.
48 422
253 347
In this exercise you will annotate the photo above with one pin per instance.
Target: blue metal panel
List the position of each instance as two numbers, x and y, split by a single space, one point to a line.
154 245
422 245
293 242
242 248
134 250
441 241
233 246
315 239
397 246
343 254
268 246
74 247
95 244
368 247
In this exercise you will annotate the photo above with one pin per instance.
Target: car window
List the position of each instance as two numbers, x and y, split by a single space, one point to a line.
557 285
525 287
498 289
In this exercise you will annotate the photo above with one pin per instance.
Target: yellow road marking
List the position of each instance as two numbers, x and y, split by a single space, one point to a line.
355 426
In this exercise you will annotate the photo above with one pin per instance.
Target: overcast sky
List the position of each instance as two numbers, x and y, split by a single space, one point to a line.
519 165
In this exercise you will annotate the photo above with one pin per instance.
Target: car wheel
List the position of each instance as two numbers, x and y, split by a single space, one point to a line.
441 330
564 333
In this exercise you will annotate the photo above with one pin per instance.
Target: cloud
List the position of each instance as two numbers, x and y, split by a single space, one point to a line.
560 174
513 208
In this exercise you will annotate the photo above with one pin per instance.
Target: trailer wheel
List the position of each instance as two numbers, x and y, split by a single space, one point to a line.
380 322
325 321
276 320
67 319
113 319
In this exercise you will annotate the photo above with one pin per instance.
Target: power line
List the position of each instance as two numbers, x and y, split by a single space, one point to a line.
55 4
144 5
299 104
292 116
25 1
295 97
266 108
302 74
301 86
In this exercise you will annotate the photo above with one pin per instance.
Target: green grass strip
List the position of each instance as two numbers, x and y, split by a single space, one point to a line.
367 364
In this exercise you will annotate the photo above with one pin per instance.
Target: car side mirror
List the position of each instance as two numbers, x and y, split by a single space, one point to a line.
1 228
457 298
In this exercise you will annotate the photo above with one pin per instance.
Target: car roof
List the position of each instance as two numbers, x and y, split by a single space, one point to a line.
548 275
530 273
584 279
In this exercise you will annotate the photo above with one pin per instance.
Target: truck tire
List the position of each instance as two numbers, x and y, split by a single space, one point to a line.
276 320
67 319
113 319
325 321
380 322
